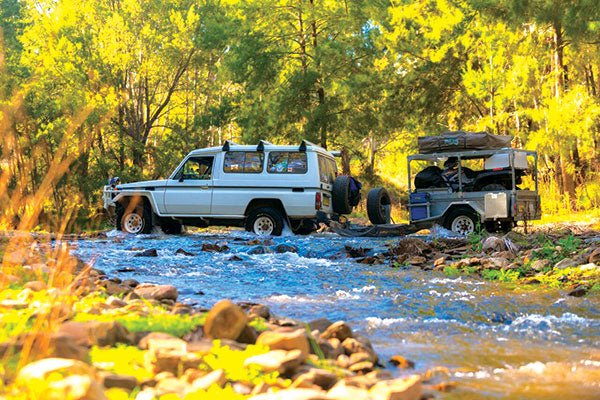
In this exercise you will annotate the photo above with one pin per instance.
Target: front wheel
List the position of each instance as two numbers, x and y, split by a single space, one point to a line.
462 220
135 220
265 221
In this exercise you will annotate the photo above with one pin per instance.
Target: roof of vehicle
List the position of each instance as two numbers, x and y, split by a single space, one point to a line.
263 146
469 154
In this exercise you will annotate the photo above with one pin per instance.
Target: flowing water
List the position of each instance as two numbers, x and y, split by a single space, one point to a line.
496 342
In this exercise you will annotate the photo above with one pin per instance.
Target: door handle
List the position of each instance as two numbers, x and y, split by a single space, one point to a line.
204 187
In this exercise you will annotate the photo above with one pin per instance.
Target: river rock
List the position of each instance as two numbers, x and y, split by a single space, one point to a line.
408 388
147 253
565 263
493 244
235 258
578 291
36 286
293 394
225 321
216 377
539 265
494 262
115 302
411 246
401 362
316 377
260 310
126 382
156 292
343 391
281 340
171 386
331 348
339 330
277 360
594 256
100 333
285 248
320 324
78 382
352 346
144 342
259 250
248 335
213 247
184 253
361 367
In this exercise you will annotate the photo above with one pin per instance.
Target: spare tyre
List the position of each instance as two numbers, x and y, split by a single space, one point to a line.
379 206
341 195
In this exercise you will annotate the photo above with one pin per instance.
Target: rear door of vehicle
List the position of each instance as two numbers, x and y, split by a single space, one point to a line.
189 191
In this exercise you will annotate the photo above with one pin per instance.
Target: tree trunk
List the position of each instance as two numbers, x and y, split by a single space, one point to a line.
345 161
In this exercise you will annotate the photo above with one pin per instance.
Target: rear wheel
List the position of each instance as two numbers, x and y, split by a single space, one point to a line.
135 220
462 220
378 206
265 221
341 195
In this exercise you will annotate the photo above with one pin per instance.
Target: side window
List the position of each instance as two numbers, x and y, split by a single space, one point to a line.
249 162
196 168
283 162
327 170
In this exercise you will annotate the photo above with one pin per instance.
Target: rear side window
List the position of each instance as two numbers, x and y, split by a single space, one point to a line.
284 162
327 169
243 162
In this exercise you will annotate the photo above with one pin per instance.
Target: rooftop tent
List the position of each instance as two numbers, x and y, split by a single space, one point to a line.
460 140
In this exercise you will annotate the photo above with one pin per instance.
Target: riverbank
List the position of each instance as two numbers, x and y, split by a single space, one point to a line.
71 331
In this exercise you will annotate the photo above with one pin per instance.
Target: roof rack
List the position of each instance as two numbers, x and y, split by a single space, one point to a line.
304 144
227 145
261 145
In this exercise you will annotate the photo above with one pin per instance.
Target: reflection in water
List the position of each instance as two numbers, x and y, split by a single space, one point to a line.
497 342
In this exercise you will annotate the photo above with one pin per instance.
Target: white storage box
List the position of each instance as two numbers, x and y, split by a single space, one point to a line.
503 161
496 205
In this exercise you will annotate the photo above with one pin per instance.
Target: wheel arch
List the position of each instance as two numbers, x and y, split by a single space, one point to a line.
265 202
145 199
453 206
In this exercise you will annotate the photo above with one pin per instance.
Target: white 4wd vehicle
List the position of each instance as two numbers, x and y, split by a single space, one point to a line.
259 187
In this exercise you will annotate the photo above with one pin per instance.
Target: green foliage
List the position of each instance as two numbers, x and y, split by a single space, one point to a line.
122 359
502 275
555 252
259 324
232 362
451 271
476 237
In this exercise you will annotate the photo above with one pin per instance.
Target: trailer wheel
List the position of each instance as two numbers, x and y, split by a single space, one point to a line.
341 195
462 220
378 206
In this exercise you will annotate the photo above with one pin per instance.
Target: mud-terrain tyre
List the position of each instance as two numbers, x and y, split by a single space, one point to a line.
265 221
171 226
462 220
491 187
378 200
341 195
135 221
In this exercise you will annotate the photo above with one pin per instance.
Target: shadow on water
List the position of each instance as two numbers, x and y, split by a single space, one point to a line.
496 342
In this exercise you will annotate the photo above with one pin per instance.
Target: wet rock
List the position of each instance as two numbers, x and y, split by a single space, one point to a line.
408 388
225 321
216 377
578 291
359 357
259 250
401 362
184 253
352 346
155 336
439 261
36 286
417 260
115 302
493 244
156 292
281 340
98 333
594 256
260 310
286 248
320 324
276 360
248 335
356 252
130 283
235 258
331 348
411 246
372 260
212 247
147 253
339 330
126 382
565 263
494 263
126 269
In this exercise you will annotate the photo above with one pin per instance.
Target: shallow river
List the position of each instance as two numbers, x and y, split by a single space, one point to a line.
496 342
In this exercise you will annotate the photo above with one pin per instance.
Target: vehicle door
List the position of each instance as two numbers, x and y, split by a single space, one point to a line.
189 191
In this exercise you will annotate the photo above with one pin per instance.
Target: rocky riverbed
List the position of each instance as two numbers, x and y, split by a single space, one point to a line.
486 316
